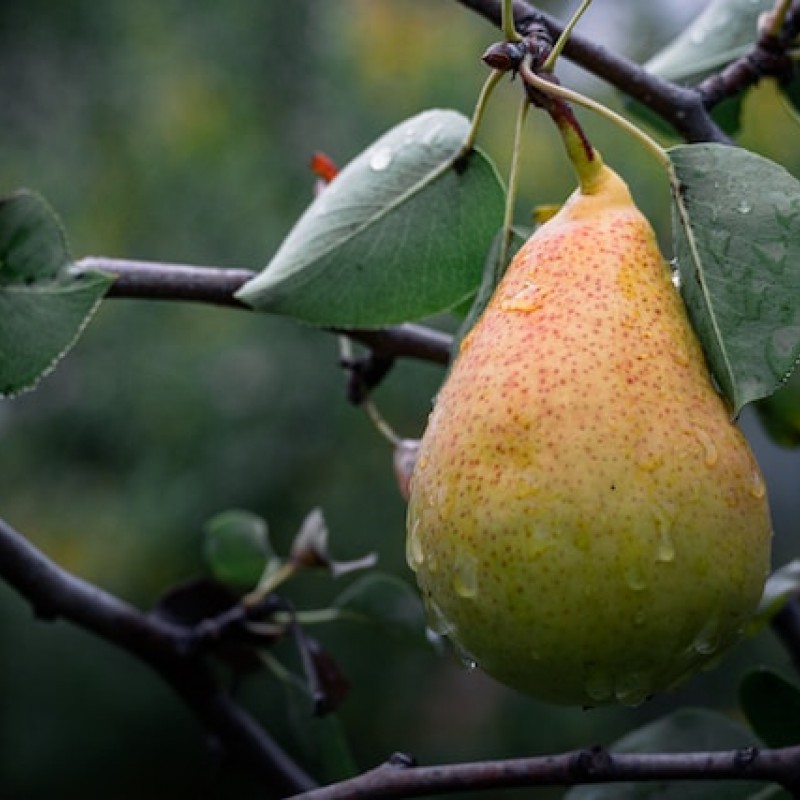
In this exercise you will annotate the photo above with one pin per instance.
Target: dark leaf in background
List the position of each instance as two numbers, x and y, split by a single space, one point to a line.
772 706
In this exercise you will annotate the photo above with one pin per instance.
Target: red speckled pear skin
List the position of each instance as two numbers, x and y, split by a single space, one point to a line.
585 521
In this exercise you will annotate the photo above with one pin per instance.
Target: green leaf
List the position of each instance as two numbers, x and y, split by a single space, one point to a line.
722 32
386 601
400 233
736 237
686 730
772 706
43 306
237 548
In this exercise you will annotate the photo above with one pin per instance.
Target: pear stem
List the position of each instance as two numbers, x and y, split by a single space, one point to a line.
555 90
513 183
507 22
550 62
488 87
777 17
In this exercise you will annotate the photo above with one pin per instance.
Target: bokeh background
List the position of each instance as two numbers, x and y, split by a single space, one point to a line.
182 131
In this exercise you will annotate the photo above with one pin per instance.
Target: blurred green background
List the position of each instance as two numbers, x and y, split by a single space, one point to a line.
182 131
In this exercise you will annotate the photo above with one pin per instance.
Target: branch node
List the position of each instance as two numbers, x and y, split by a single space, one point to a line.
401 761
591 762
745 756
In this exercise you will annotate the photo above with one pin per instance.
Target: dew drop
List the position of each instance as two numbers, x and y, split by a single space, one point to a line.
710 452
381 159
757 486
744 207
598 686
665 550
676 278
680 357
529 298
465 578
698 37
635 579
707 640
415 555
633 688
646 458
464 656
437 621
432 134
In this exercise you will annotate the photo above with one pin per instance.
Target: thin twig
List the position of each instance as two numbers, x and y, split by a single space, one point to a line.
55 593
399 777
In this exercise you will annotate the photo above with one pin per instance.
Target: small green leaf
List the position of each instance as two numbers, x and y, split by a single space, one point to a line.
736 238
43 307
237 548
386 601
686 730
722 32
772 706
399 234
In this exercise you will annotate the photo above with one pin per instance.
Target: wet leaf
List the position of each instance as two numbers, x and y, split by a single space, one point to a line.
736 234
721 33
43 306
772 706
237 548
686 730
399 234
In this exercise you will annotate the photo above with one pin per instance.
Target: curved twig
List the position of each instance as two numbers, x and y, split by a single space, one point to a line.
55 593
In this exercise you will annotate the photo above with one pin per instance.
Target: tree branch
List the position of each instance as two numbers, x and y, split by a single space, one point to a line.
152 280
55 593
683 108
398 777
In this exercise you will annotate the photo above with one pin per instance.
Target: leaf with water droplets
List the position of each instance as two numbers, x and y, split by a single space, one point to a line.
399 234
722 32
736 238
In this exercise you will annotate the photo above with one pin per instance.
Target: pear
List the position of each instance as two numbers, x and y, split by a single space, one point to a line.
585 521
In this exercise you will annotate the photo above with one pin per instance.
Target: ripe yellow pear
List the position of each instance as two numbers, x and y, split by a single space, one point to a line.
585 521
